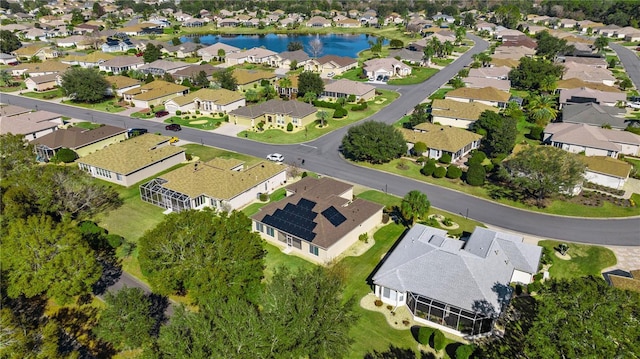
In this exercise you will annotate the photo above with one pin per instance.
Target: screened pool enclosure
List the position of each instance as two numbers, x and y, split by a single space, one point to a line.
154 193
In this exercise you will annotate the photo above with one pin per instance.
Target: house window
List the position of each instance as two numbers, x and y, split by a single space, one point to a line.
270 231
118 177
198 201
295 121
259 227
103 173
389 294
313 249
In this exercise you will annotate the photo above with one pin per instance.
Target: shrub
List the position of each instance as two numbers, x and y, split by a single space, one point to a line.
465 351
534 287
378 303
428 168
476 175
351 98
489 167
537 276
340 113
194 116
289 127
424 335
64 155
454 172
364 237
447 222
419 148
421 160
188 156
264 197
304 174
439 172
178 112
114 240
197 112
362 106
477 158
445 158
536 133
439 341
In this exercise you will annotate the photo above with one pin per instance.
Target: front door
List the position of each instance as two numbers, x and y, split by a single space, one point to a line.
289 241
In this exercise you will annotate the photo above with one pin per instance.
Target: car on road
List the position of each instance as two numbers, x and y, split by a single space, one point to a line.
133 132
331 74
161 113
635 105
276 157
174 139
173 127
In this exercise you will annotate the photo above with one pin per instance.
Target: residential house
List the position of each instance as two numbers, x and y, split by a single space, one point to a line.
485 26
114 44
508 62
285 59
535 29
193 23
121 84
70 41
406 55
481 82
585 95
519 40
512 52
590 140
568 23
258 55
35 34
213 52
379 69
331 64
458 286
488 96
122 64
160 67
606 171
444 36
81 140
318 219
12 110
370 16
182 51
8 59
501 32
318 21
628 31
344 88
494 72
129 162
192 71
43 82
222 184
595 115
41 51
574 83
538 19
457 114
439 139
607 31
206 101
588 74
93 59
154 93
30 124
444 18
228 22
39 68
248 79
275 114
287 89
348 23
622 279
587 60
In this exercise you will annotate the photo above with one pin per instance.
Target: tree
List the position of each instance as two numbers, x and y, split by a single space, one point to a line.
527 75
310 82
456 82
419 115
322 117
396 44
294 46
419 148
601 43
168 77
500 133
151 53
16 155
475 174
221 54
541 171
201 79
570 318
226 79
454 172
64 155
461 32
548 84
84 84
542 109
315 47
427 53
373 142
76 16
293 65
415 205
482 58
47 258
508 15
198 251
97 10
126 322
9 42
625 84
469 20
309 97
549 46
6 79
175 41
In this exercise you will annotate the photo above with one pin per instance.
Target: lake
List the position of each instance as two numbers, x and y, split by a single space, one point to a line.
333 44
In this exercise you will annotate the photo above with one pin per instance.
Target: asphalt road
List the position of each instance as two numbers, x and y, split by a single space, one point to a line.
321 156
630 61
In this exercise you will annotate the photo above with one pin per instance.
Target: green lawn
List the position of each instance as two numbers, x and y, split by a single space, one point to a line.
441 62
312 131
145 115
519 93
440 93
206 153
253 208
87 125
21 86
585 260
203 123
353 75
108 105
46 95
418 75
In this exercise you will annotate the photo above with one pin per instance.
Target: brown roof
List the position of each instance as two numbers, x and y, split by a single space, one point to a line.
122 81
578 83
76 137
607 165
194 70
446 138
122 61
485 94
455 109
311 199
12 110
248 76
342 61
292 108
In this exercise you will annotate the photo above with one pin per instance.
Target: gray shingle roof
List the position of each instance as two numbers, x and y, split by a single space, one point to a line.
295 109
594 115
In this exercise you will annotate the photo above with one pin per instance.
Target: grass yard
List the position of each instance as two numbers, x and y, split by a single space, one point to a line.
312 131
442 62
418 75
519 93
353 75
46 95
440 93
108 105
87 125
585 260
206 153
203 123
253 208
20 86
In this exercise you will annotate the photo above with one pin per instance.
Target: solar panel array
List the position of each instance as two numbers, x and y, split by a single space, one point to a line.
295 219
332 215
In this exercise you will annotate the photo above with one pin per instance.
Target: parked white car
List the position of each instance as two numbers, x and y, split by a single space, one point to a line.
276 157
635 105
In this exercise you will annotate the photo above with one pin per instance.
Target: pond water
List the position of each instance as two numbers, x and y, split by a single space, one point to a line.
332 44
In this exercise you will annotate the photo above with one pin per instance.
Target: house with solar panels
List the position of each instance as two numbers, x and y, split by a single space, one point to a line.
317 220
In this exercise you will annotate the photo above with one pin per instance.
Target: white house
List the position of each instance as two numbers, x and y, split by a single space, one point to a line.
206 101
378 69
593 141
606 171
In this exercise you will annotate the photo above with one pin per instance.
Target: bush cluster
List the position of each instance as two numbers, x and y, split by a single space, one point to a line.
445 158
429 167
340 113
359 107
440 172
454 172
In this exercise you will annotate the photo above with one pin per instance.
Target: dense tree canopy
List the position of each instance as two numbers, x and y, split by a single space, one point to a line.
527 75
85 84
419 115
198 251
542 109
549 46
47 258
500 133
576 318
310 82
540 171
374 142
16 155
508 15
226 80
151 53
9 42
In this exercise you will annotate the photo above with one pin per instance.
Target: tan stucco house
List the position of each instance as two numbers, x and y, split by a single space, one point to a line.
81 140
206 101
275 114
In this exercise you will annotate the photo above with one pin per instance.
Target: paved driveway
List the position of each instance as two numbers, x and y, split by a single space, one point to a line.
229 129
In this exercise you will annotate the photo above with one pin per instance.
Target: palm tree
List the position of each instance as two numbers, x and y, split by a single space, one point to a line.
461 32
6 78
483 58
428 52
542 109
415 204
513 110
285 83
548 84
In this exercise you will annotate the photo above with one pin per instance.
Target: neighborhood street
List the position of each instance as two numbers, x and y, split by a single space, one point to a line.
322 156
630 62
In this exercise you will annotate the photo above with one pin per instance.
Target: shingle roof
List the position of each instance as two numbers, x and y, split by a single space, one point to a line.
481 82
496 71
348 87
292 108
455 272
12 110
218 96
590 136
607 165
133 154
485 94
122 61
96 56
76 137
585 92
248 76
594 115
407 54
587 73
122 81
213 49
319 228
19 125
446 138
218 179
387 63
47 66
298 55
462 110
341 61
194 70
164 65
574 82
44 78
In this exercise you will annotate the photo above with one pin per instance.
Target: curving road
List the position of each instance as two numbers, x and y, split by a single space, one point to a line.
321 156
630 62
